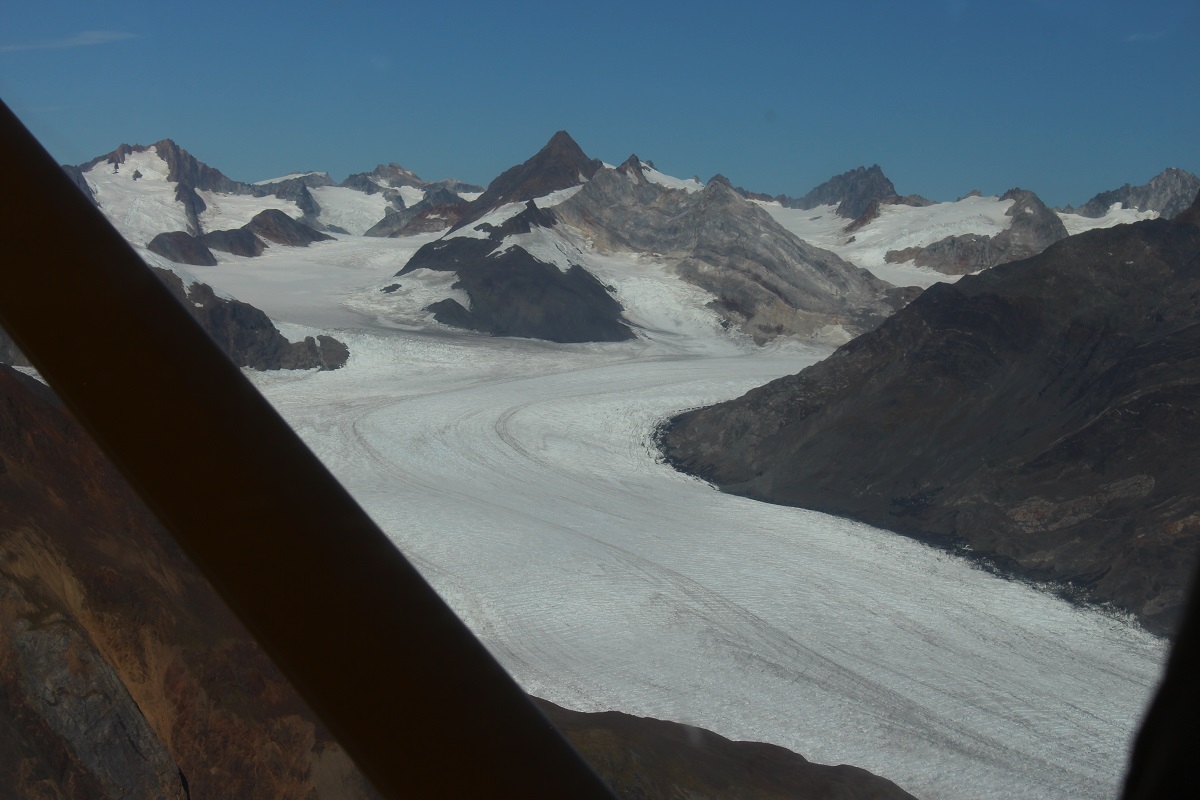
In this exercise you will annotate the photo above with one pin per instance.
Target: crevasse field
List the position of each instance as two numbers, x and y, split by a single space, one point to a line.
521 479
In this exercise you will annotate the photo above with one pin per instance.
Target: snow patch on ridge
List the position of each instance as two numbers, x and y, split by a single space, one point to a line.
143 208
351 210
669 182
289 177
547 246
897 227
225 212
1117 214
411 195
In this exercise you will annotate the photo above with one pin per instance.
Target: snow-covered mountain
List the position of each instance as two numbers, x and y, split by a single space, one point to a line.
604 252
151 189
535 254
909 240
521 476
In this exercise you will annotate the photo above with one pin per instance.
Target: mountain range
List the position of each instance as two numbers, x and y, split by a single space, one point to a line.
1035 414
520 258
1041 414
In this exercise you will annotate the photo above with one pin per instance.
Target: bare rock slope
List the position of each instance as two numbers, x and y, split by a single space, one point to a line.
1044 413
763 277
1034 228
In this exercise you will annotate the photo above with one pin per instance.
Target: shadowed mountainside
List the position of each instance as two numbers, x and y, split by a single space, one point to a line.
1043 413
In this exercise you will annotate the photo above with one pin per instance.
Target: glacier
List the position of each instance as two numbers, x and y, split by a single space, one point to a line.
521 478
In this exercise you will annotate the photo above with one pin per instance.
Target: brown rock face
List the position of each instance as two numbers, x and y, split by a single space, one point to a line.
123 674
182 248
650 758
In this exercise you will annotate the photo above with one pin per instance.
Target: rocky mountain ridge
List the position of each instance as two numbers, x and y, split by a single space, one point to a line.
762 279
1041 413
1034 228
1170 193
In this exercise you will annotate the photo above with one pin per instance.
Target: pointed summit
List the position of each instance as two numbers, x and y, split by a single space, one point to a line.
633 168
559 165
853 191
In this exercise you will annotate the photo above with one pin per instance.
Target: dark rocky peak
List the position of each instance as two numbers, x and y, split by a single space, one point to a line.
384 176
719 192
852 191
438 210
532 217
184 168
632 167
455 186
276 226
869 215
438 195
296 190
238 242
1032 218
911 200
182 248
749 195
116 157
1170 193
561 164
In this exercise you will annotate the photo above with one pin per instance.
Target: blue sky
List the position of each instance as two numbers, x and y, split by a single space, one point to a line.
1065 97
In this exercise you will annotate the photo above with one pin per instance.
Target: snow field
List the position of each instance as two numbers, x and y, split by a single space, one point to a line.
1117 215
141 208
521 479
224 212
351 210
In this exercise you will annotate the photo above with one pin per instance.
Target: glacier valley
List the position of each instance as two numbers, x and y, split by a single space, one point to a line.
521 478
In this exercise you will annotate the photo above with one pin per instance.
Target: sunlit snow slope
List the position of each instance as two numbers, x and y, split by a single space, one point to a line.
520 477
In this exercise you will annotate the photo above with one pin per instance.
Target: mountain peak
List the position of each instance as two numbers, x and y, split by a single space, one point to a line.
560 164
853 191
632 167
